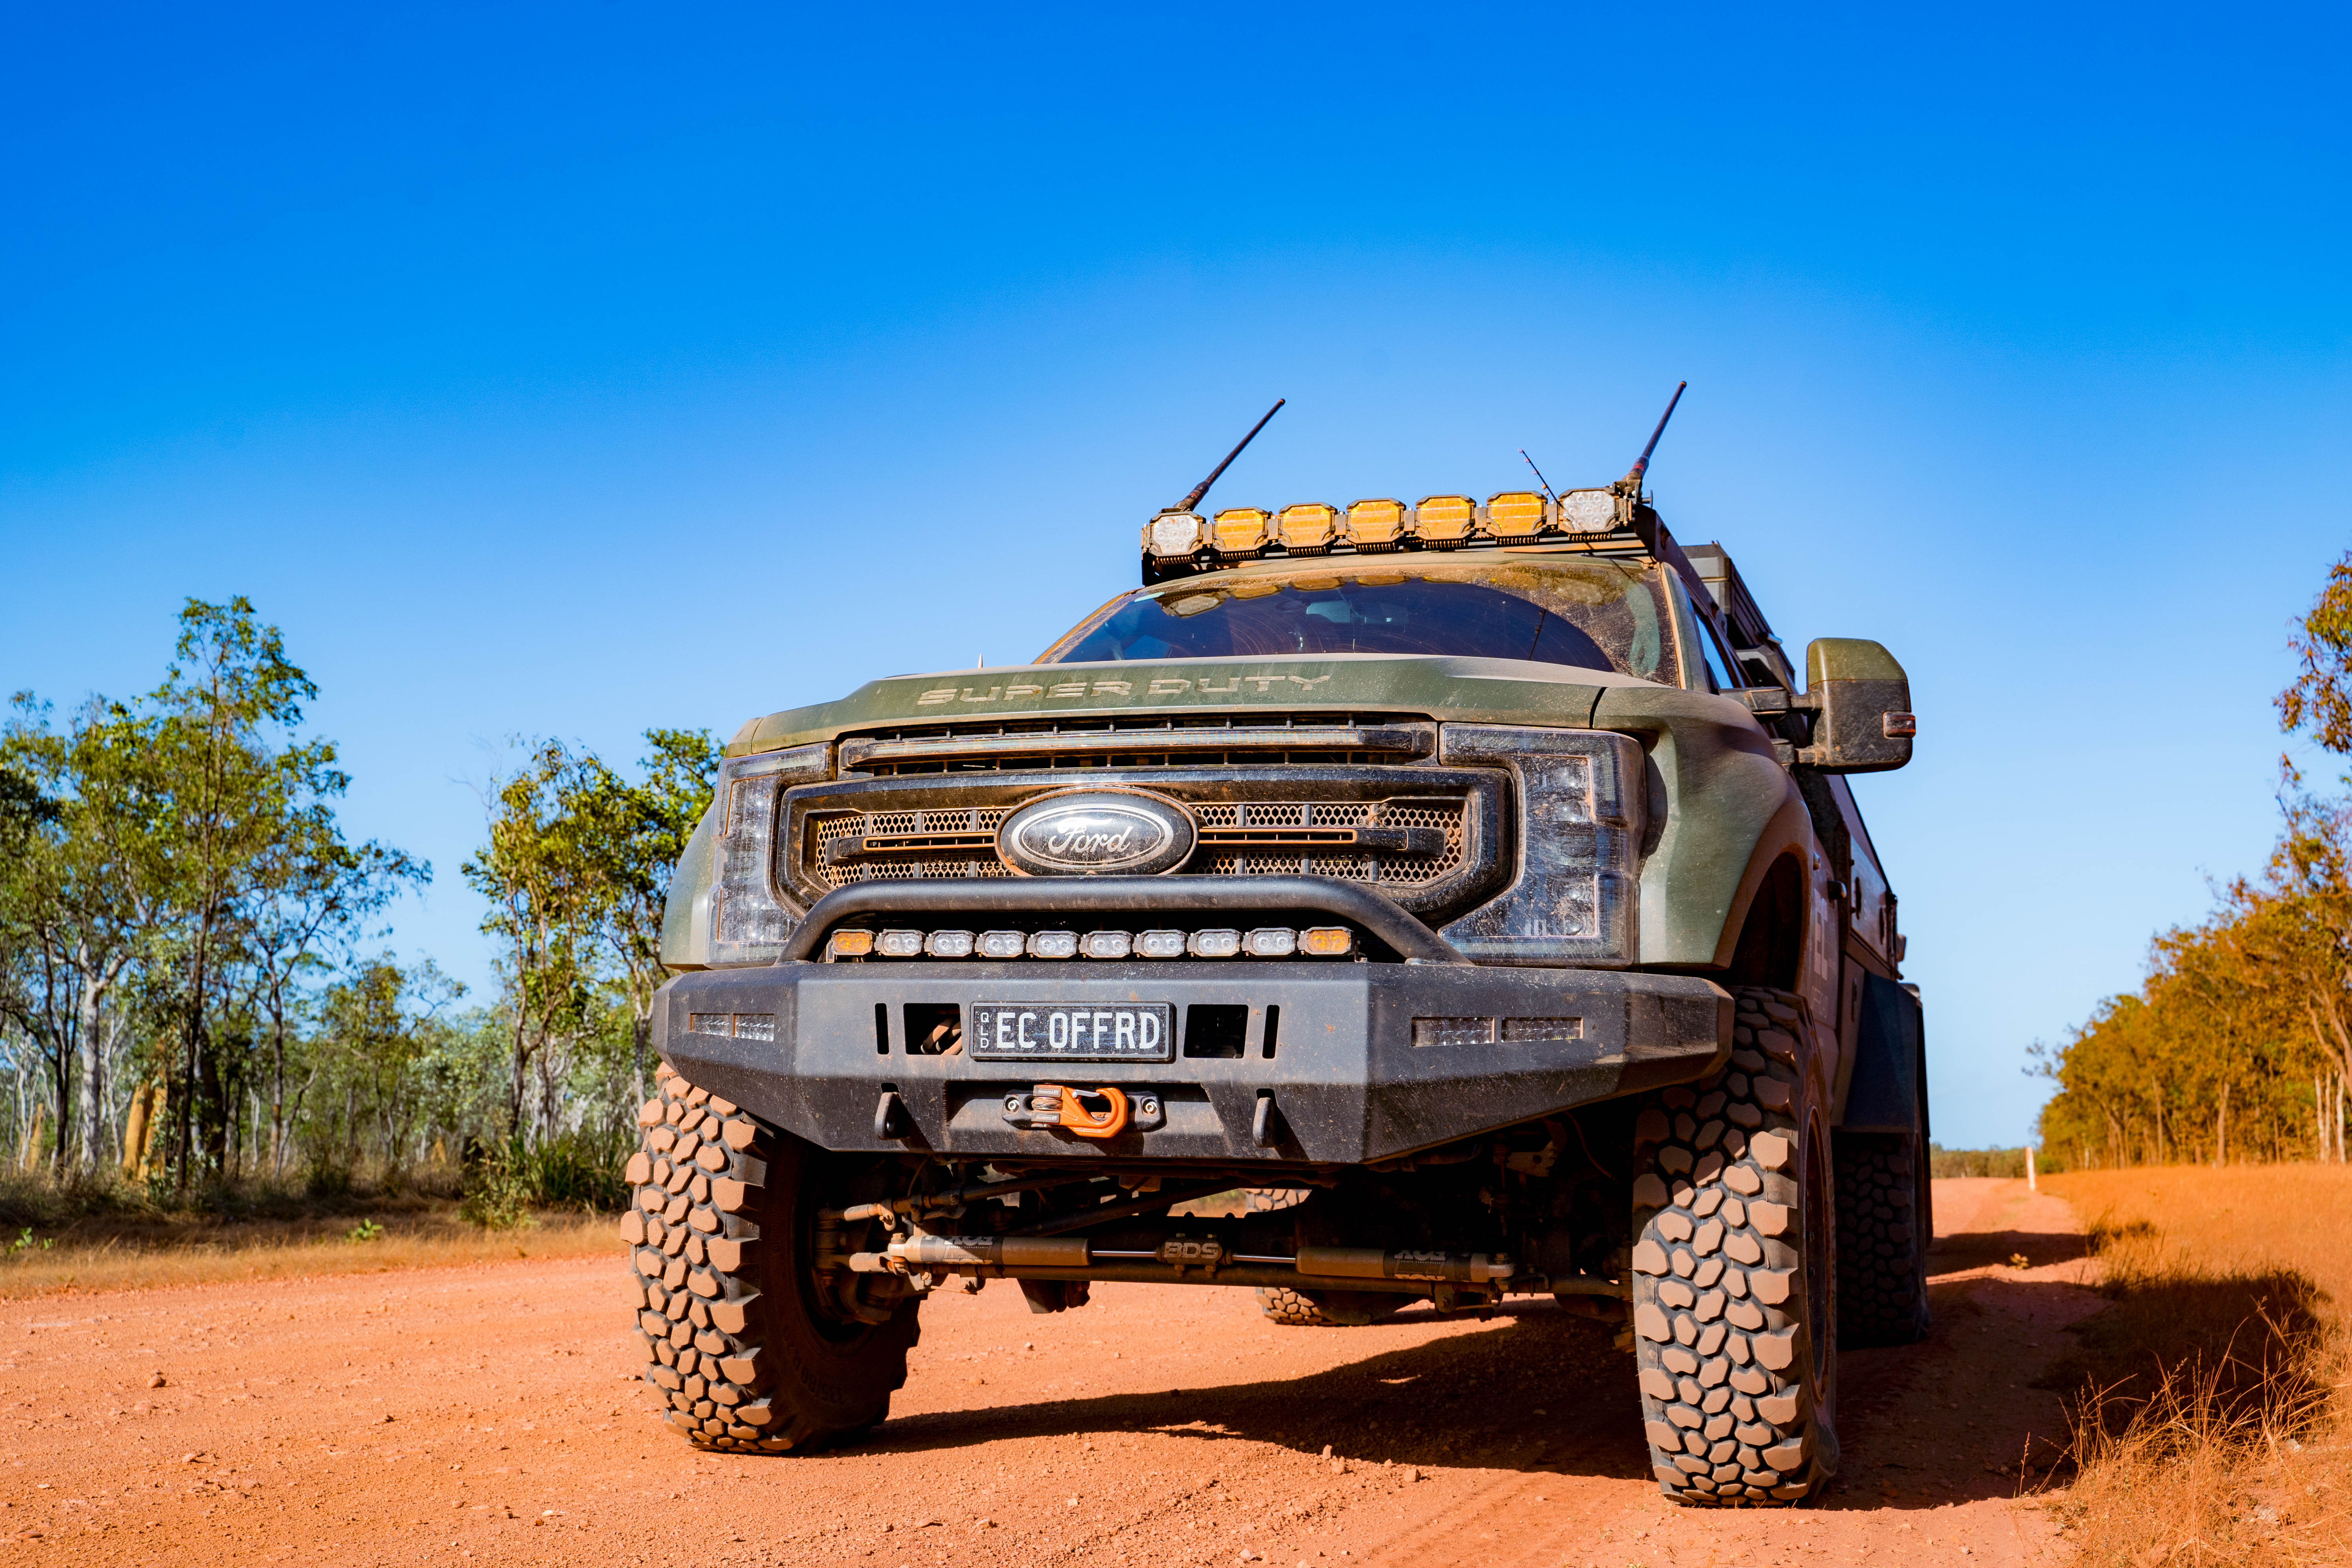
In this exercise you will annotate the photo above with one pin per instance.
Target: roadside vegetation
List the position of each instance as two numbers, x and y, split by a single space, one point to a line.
201 1037
2201 1123
2206 1399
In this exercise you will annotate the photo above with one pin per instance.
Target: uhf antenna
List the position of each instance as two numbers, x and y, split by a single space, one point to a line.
1190 502
1539 478
1631 482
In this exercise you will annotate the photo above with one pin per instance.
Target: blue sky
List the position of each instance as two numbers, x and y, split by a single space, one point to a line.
572 370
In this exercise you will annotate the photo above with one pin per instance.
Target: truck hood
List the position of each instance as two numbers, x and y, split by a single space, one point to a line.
1480 690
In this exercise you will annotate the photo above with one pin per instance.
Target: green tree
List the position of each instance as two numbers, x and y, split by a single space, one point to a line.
2320 700
224 722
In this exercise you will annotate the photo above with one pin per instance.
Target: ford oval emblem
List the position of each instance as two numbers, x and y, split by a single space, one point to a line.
1095 834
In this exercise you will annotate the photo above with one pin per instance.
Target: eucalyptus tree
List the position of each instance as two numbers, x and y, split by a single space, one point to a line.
89 890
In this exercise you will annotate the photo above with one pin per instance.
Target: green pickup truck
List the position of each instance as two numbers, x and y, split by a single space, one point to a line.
1476 885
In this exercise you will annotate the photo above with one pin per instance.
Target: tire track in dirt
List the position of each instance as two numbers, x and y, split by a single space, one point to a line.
489 1415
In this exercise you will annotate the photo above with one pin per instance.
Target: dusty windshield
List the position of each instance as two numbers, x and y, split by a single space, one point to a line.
1593 615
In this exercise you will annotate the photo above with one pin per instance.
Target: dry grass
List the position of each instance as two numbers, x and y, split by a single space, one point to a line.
143 1257
2210 1425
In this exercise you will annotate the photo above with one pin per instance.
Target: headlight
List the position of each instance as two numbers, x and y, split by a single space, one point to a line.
1582 804
749 923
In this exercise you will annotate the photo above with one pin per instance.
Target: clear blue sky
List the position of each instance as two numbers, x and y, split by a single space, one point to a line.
569 370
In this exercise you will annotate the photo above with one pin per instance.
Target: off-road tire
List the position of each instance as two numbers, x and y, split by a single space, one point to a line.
1315 1308
727 1314
1734 1271
1882 1234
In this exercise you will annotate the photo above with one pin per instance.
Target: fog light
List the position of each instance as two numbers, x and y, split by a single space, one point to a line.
1107 944
949 944
1327 941
1161 944
900 945
849 944
1274 942
1215 945
1001 943
1054 944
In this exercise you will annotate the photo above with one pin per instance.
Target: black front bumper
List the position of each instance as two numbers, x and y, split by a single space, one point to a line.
1348 1082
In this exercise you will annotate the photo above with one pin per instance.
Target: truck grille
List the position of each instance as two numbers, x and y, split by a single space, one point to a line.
1423 836
1176 742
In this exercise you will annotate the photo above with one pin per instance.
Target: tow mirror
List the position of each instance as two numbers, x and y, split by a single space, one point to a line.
1860 700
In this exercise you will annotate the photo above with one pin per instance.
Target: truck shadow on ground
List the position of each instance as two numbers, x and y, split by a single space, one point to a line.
1540 1391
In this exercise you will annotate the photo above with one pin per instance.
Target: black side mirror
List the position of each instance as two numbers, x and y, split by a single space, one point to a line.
1860 702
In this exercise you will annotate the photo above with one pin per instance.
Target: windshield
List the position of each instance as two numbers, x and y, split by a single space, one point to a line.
1593 615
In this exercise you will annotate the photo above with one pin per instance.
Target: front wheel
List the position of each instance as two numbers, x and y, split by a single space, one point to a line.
737 1339
1734 1272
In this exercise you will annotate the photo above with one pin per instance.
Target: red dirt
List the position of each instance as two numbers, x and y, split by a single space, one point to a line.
489 1415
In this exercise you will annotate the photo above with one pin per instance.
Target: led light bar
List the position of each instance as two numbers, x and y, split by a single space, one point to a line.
1445 521
1243 531
1309 528
1174 535
1588 512
1517 514
1105 944
851 942
1378 524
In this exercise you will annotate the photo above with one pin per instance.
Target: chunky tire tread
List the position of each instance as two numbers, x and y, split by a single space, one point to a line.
1882 1240
722 1317
1725 1358
1292 1309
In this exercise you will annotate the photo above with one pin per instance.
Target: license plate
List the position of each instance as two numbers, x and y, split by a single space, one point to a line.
1072 1032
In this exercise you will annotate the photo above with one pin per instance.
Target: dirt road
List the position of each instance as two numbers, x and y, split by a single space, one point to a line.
489 1415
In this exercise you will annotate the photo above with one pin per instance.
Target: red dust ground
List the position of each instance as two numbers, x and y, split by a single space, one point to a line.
489 1415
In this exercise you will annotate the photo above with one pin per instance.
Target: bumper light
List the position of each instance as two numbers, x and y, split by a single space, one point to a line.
949 944
1161 944
1327 941
1001 943
900 945
1054 944
849 944
1107 944
1215 945
1273 942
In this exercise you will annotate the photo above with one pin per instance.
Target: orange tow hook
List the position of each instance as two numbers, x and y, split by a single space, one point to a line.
1089 1123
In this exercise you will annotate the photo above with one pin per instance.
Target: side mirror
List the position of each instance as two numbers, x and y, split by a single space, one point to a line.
1860 700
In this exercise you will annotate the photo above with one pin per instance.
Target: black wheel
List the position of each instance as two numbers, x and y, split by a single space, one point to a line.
1883 1235
1734 1272
751 1352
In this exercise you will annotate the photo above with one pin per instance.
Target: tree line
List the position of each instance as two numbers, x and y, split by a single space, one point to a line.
191 995
2239 1046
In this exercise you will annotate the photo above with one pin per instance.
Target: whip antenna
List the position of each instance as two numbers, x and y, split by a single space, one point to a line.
1190 502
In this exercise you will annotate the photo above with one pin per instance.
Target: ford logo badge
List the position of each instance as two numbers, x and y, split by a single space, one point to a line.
1095 834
